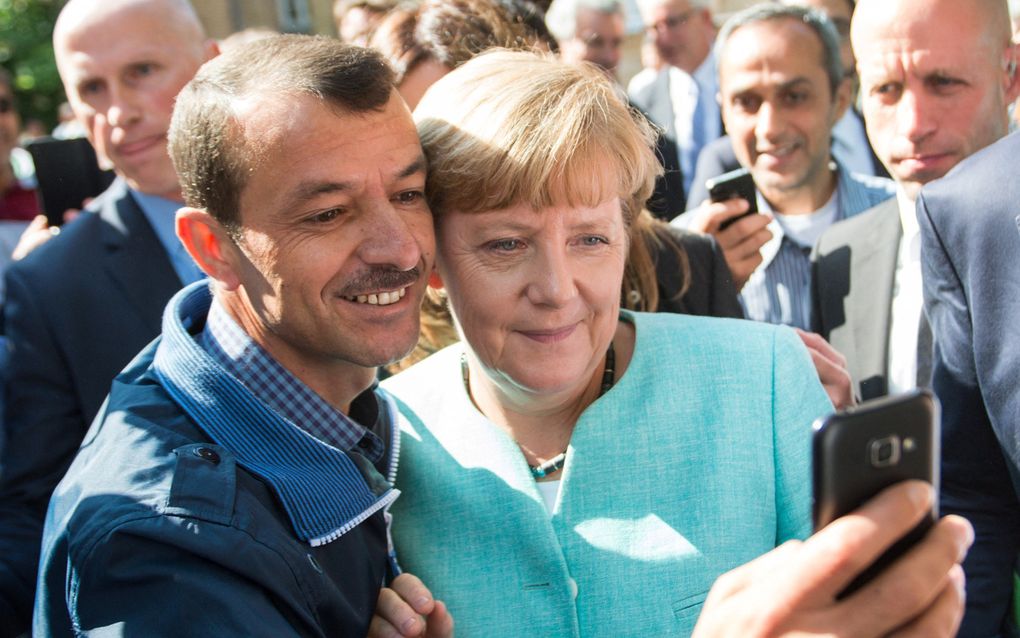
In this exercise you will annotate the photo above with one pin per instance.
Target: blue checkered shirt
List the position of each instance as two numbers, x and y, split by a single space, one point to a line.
281 391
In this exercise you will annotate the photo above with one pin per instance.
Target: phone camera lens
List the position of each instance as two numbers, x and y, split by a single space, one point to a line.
885 452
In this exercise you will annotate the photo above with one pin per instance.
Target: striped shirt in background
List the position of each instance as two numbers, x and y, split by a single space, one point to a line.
779 290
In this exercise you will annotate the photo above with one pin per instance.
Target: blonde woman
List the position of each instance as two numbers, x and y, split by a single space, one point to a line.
570 468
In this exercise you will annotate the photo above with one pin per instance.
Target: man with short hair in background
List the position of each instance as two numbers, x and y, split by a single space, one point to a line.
588 31
850 143
782 90
930 74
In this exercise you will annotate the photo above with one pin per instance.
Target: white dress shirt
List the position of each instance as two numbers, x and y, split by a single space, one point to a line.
907 302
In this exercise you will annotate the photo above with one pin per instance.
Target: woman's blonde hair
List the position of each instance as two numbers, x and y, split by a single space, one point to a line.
512 127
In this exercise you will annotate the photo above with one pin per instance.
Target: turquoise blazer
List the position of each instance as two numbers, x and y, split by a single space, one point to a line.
694 463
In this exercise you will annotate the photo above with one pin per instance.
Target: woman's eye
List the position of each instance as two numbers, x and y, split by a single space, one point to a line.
593 240
506 244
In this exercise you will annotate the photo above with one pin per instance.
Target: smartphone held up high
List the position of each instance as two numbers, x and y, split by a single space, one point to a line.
860 451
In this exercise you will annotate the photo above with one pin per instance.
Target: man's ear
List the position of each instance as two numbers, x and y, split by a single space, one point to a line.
210 245
1010 62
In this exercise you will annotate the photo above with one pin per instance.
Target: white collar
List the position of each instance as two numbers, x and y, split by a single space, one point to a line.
908 214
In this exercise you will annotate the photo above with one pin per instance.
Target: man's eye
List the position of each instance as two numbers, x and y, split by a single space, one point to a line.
90 88
887 89
941 82
326 216
143 69
410 197
747 104
798 97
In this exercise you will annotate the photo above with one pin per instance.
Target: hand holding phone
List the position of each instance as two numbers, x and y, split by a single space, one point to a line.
735 184
860 451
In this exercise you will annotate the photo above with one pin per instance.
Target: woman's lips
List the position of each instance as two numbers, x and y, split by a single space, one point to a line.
549 336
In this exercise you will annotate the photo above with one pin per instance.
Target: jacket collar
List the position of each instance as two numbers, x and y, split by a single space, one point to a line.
322 489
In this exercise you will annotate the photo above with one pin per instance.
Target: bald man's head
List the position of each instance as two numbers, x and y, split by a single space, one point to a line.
936 79
122 63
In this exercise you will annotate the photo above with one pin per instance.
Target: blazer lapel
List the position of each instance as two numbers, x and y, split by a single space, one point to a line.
135 260
872 276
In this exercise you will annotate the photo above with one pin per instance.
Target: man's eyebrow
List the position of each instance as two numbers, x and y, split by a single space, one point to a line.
794 83
311 190
417 166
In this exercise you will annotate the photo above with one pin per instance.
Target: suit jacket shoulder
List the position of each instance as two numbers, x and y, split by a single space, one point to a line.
970 248
853 268
655 102
77 311
709 290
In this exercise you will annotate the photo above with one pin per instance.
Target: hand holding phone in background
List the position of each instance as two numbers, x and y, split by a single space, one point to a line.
68 174
731 216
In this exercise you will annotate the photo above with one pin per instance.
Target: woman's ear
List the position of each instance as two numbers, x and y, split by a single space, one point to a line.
210 245
435 281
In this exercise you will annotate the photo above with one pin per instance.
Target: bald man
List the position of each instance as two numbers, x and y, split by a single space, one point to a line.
936 79
934 89
81 306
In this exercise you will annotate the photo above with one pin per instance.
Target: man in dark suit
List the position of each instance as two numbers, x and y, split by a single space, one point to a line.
81 306
970 245
936 82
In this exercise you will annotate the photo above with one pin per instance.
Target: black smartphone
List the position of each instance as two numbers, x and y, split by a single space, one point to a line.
738 183
68 173
860 451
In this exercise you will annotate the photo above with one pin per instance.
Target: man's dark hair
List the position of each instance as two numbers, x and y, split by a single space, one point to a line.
816 20
208 151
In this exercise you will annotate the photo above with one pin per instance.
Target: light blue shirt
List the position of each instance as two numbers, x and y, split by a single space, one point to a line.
160 213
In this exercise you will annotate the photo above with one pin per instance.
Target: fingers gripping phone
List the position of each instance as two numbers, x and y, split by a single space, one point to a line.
860 451
735 184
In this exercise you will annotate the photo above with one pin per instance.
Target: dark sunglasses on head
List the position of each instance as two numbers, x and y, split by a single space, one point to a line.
6 105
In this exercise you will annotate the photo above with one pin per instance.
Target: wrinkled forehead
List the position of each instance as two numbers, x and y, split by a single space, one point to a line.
921 53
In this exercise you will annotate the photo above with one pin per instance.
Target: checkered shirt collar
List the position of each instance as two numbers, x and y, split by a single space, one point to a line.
280 390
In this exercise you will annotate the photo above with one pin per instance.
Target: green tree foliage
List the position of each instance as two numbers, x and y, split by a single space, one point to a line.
26 50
